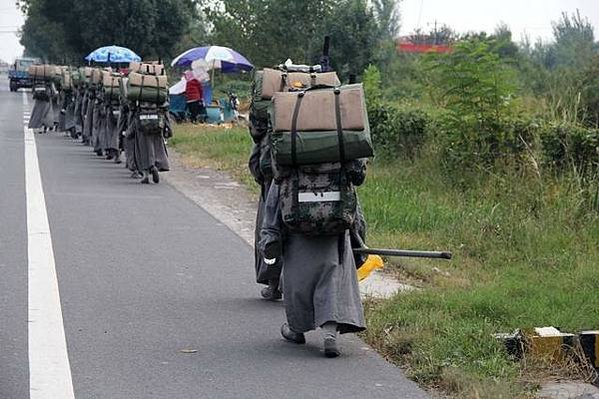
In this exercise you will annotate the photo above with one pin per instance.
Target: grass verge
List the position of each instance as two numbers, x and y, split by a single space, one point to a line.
524 257
218 148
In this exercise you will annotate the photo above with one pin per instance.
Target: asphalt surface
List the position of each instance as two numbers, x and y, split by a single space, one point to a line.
157 296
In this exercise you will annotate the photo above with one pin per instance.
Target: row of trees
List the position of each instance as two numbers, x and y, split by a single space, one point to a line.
270 31
67 30
266 31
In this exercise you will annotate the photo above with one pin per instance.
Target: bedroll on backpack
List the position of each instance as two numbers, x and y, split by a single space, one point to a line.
111 83
318 200
318 126
147 88
270 81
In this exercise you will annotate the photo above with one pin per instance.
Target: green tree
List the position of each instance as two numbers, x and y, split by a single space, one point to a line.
387 15
476 88
574 42
355 35
269 31
74 28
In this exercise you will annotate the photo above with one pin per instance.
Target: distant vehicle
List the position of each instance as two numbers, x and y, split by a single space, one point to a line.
18 75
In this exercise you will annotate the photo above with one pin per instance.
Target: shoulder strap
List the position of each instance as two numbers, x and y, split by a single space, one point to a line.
157 90
140 97
340 137
298 104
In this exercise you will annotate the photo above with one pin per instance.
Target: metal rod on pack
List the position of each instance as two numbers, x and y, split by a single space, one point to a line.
404 253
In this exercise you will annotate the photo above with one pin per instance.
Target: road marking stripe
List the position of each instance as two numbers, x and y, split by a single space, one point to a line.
49 368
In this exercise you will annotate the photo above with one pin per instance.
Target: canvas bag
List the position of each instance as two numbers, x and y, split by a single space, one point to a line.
111 83
319 126
150 121
318 200
270 81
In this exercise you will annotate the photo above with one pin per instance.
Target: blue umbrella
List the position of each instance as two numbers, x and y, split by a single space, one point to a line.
114 54
216 57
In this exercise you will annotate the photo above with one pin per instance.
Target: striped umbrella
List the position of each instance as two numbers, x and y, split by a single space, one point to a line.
216 57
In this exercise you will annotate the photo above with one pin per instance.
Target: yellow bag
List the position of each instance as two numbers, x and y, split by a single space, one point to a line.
373 262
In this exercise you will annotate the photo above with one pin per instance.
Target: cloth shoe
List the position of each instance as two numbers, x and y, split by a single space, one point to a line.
296 338
155 174
146 178
330 347
329 330
272 292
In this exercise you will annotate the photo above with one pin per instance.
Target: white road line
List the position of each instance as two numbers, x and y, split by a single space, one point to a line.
49 368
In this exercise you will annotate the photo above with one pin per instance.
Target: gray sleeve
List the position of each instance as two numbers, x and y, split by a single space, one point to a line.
271 233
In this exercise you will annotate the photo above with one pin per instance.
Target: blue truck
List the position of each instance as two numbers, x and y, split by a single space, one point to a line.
17 74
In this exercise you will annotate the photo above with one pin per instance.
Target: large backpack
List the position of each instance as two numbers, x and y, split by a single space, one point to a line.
320 199
266 83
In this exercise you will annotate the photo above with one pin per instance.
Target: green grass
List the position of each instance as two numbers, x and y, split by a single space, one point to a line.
525 255
218 148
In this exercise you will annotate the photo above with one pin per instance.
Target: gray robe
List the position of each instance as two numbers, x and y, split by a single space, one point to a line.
55 109
69 123
40 114
61 127
126 125
320 283
97 125
78 111
89 117
111 128
264 273
150 149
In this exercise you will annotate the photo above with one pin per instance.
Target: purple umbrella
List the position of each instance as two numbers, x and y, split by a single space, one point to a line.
216 57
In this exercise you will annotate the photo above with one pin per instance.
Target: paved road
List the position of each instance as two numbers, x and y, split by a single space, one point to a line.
143 274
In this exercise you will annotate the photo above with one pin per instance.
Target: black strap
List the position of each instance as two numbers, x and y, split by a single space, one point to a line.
296 192
298 103
284 82
140 97
111 87
157 90
340 137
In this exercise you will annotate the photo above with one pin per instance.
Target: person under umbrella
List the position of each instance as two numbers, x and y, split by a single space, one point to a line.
194 97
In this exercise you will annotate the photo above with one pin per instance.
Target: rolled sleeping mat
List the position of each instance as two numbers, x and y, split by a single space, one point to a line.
147 88
317 126
111 85
267 82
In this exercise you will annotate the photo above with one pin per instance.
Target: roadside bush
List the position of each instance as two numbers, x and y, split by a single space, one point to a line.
572 151
482 147
397 132
568 146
